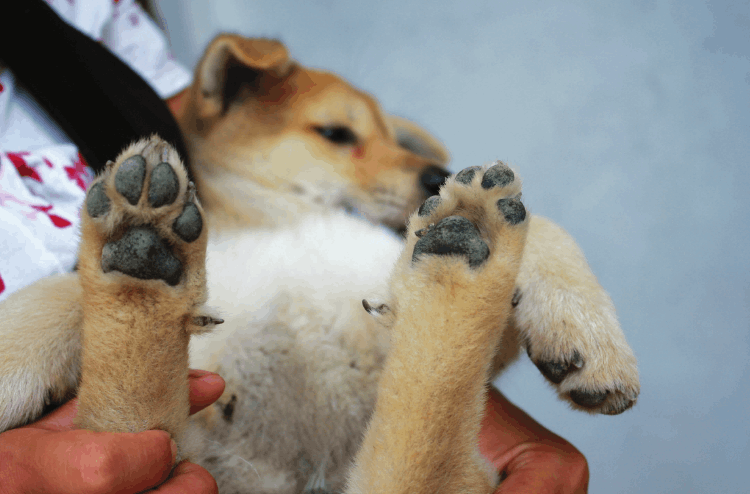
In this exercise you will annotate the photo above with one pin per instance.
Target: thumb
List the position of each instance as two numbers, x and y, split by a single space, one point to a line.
99 462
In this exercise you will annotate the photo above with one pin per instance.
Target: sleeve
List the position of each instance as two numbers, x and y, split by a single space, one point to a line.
124 28
134 37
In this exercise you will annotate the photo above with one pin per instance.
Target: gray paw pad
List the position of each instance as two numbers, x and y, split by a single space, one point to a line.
557 370
97 202
129 178
466 175
554 371
429 206
142 254
588 399
454 235
189 224
513 210
497 176
164 185
619 406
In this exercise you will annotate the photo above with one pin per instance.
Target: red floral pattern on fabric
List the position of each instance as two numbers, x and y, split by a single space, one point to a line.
56 220
78 172
23 169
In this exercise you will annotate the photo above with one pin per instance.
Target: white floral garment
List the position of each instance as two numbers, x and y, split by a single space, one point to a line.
43 178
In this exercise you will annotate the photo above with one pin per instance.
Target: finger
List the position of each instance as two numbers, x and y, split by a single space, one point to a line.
189 478
529 457
99 462
505 425
543 469
205 388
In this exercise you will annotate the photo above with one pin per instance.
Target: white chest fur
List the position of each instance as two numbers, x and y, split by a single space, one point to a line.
328 263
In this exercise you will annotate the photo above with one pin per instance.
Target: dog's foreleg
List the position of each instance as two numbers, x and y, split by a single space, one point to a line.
569 326
452 290
142 268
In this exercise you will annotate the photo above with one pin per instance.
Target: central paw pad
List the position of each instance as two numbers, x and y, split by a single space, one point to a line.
454 235
141 253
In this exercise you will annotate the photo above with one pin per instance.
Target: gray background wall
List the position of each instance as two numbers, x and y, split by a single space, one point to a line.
630 124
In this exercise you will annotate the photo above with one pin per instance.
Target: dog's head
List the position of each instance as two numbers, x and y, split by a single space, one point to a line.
256 117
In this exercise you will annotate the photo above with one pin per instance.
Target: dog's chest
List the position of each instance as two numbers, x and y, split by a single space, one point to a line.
324 265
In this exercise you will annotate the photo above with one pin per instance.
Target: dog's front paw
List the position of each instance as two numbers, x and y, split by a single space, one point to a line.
493 205
469 240
143 220
143 230
142 271
451 297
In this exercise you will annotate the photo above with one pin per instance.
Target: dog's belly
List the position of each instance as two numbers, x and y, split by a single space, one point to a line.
300 355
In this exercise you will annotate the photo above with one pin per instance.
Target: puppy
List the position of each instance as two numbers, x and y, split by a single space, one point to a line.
302 181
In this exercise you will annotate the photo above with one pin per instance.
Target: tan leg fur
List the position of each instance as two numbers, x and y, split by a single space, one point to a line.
449 318
136 331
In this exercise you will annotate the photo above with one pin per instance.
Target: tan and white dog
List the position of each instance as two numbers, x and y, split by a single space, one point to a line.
322 394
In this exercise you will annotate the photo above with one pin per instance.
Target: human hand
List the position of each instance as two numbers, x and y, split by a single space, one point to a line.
53 457
531 459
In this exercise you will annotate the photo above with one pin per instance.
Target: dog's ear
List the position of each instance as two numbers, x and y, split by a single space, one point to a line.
417 140
232 62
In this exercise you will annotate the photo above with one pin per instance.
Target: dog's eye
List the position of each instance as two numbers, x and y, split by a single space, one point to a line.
342 136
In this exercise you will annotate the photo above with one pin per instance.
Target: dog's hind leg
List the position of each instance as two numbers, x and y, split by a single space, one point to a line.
451 292
40 347
142 271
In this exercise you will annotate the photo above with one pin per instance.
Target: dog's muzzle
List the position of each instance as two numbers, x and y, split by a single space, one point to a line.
432 178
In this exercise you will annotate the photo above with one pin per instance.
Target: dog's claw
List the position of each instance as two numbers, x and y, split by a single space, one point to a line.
379 309
421 232
207 321
191 191
516 297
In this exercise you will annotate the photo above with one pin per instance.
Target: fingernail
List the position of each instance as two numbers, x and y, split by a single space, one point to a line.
174 452
212 379
198 373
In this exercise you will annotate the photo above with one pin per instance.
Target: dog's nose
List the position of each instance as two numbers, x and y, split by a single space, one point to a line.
432 178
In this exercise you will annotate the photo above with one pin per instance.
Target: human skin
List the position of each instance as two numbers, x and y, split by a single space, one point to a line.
529 457
53 457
